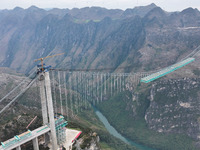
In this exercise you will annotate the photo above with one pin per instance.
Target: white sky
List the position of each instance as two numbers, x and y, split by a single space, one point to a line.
168 5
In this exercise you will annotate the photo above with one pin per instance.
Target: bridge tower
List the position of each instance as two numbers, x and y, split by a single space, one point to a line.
46 100
47 106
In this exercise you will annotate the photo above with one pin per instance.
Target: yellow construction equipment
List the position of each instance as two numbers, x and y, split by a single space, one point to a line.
42 59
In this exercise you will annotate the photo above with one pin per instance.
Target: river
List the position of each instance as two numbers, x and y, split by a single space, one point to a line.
116 134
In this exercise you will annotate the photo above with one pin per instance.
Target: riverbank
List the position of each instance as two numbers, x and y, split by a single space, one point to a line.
115 133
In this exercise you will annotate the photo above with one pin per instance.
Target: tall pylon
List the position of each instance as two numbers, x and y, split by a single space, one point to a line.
50 111
47 107
43 99
46 100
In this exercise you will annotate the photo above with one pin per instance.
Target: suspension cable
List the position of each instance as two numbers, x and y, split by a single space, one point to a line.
195 51
24 90
16 87
20 83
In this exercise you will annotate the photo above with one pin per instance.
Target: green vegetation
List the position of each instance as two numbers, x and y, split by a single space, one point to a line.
131 123
89 124
162 98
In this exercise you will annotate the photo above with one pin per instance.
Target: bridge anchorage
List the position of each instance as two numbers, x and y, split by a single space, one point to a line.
53 129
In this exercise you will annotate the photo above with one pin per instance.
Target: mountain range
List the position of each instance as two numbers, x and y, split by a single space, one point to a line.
143 38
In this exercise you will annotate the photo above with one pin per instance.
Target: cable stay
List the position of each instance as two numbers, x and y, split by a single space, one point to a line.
193 53
23 91
14 89
21 84
33 72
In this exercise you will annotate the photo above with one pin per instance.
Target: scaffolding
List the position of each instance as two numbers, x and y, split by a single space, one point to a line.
60 124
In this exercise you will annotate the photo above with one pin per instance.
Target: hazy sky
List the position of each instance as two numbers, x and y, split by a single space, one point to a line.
168 5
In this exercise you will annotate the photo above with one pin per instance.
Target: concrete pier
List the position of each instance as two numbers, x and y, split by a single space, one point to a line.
43 100
51 111
35 144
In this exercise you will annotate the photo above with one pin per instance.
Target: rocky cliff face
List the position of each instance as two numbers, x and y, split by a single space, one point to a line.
88 142
174 107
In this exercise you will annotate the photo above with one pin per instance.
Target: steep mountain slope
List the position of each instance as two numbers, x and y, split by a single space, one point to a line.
174 107
128 41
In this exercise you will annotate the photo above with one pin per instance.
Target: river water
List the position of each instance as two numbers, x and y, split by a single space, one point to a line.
116 134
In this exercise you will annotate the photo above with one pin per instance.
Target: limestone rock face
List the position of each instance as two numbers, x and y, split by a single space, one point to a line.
175 107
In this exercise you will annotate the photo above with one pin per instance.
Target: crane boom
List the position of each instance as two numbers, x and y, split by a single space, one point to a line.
47 57
42 59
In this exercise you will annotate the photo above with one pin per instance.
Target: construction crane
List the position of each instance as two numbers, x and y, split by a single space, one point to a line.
42 60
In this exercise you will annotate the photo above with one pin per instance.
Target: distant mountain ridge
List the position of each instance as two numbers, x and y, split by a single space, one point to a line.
97 37
91 13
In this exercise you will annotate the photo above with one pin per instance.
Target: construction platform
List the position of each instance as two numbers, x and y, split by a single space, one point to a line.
167 70
72 135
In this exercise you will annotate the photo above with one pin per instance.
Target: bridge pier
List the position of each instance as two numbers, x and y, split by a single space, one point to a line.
35 144
44 105
18 148
43 100
50 111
